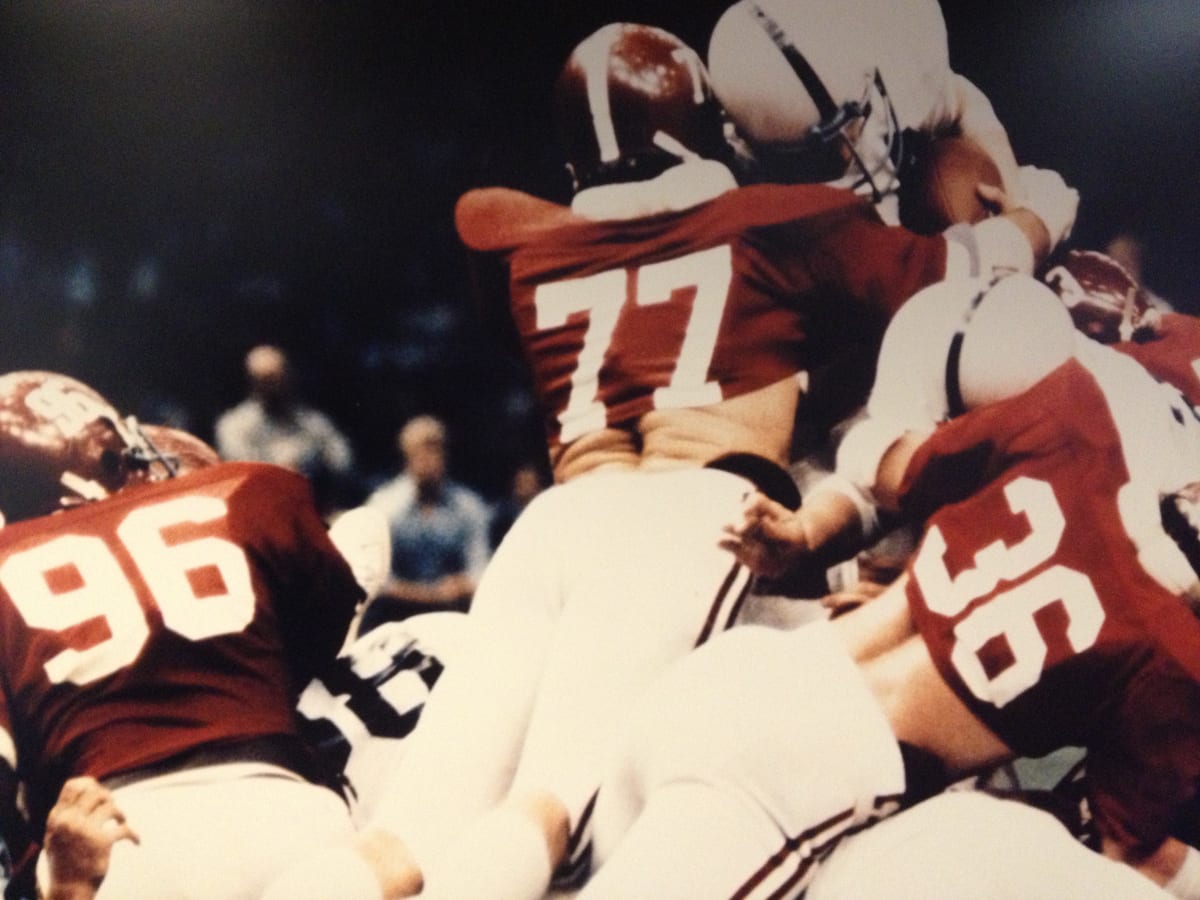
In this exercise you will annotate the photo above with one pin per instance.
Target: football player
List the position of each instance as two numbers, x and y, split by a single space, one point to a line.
849 94
1108 304
1041 610
158 625
835 89
668 317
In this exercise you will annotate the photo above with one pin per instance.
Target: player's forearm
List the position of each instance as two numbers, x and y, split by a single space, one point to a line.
835 521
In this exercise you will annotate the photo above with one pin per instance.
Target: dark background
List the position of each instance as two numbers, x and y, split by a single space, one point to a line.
180 179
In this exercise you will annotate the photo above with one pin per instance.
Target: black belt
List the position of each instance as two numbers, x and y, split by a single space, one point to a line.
770 478
284 751
924 773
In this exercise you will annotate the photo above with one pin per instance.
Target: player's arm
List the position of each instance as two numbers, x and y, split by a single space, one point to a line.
1035 202
81 830
972 112
881 266
772 540
1029 226
837 519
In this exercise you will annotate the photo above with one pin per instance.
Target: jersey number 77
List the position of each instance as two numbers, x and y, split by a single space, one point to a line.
604 297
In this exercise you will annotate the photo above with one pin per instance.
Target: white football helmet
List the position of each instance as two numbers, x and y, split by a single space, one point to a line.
954 346
823 89
957 345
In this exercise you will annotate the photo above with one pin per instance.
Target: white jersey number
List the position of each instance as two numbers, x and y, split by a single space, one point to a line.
73 579
1010 614
603 297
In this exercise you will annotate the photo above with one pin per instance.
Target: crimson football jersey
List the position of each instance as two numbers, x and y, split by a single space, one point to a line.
169 616
1172 355
688 308
1029 592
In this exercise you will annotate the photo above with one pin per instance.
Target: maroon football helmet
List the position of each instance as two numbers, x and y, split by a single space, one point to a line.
62 443
632 101
1105 301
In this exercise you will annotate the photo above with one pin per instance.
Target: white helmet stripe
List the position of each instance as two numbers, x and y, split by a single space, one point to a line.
8 749
593 54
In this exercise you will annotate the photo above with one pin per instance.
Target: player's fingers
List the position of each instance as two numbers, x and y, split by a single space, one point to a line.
94 797
120 831
735 546
74 788
748 555
842 602
108 811
786 533
762 506
992 197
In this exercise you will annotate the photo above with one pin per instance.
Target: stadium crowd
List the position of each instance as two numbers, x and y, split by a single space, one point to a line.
859 555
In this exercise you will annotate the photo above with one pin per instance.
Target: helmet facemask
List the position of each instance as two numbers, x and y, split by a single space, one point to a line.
832 152
857 143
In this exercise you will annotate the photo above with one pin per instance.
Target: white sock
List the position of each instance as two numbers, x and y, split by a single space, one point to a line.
502 856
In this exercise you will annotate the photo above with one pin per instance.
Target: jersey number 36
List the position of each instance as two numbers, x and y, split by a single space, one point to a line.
1010 614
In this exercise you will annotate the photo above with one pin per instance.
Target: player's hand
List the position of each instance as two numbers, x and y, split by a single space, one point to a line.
80 832
994 198
770 539
1046 195
852 597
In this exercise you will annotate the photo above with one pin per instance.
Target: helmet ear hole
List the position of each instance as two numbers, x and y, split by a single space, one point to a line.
633 100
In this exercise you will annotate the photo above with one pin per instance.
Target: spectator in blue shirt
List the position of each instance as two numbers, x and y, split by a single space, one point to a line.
439 530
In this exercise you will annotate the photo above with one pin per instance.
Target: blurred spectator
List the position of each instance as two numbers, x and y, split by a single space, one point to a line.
439 530
273 425
528 480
